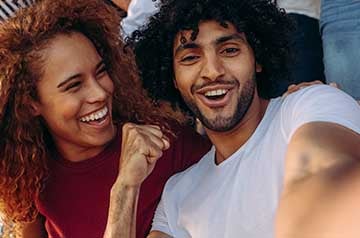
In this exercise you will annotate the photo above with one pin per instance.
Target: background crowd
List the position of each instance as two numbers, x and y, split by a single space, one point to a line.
325 40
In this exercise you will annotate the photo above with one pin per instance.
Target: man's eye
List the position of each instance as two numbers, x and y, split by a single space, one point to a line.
230 51
189 58
73 85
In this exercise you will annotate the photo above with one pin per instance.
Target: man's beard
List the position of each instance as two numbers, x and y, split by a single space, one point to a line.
221 123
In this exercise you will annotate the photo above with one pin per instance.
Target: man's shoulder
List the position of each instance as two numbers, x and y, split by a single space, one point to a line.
319 99
318 103
316 92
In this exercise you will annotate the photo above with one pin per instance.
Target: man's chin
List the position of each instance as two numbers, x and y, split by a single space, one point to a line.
219 124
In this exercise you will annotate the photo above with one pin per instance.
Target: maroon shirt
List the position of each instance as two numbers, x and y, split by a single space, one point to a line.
75 200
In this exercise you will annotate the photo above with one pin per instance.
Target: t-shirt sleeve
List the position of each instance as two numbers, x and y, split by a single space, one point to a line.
320 103
138 13
160 221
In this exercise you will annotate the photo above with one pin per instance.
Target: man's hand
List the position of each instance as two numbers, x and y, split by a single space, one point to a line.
296 87
123 4
142 146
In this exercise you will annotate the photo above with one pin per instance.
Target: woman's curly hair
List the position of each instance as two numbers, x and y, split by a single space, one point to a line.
266 27
25 143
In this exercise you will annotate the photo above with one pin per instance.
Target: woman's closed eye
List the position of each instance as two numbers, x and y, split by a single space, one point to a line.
102 71
73 85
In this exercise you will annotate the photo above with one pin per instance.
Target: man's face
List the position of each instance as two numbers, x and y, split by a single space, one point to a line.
215 74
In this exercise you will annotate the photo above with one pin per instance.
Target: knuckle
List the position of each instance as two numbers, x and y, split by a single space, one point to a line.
157 153
127 126
139 141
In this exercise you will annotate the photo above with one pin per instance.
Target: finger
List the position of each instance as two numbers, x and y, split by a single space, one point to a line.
295 87
290 89
153 154
291 86
335 85
318 82
154 130
307 84
154 126
162 143
166 142
155 148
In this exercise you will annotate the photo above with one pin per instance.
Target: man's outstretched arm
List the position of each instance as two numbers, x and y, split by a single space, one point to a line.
322 184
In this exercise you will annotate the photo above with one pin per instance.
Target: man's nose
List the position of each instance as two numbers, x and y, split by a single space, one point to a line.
213 68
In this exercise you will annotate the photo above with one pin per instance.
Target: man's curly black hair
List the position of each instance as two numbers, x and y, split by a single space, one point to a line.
266 27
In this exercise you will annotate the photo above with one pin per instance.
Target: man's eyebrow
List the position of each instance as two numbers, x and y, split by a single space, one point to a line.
98 65
186 46
235 36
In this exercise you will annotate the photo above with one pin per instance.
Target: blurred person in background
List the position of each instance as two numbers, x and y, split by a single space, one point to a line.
8 8
340 31
306 42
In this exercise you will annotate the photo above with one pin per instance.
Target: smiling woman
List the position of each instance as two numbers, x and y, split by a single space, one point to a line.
66 87
74 99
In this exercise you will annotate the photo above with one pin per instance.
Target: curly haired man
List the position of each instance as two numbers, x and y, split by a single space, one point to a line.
277 166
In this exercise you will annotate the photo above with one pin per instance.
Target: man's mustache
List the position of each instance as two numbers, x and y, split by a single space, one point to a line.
213 83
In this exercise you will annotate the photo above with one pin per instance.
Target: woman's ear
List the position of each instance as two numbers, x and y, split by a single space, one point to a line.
35 108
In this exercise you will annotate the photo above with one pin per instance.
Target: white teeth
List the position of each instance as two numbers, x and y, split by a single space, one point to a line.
217 92
95 116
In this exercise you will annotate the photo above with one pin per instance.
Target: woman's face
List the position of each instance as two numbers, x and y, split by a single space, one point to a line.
75 97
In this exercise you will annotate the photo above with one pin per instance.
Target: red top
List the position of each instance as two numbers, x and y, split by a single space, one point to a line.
75 201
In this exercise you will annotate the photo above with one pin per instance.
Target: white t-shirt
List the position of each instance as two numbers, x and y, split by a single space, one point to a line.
309 8
138 14
239 197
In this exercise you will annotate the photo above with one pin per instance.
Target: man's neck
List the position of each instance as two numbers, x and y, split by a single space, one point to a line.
227 143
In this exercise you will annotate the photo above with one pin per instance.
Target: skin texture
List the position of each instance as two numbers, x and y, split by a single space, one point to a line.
123 4
212 62
80 87
320 195
141 147
35 229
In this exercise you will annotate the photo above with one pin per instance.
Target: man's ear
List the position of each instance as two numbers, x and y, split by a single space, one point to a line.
258 67
35 108
175 83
